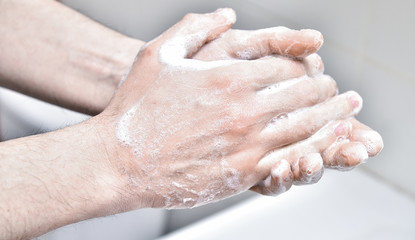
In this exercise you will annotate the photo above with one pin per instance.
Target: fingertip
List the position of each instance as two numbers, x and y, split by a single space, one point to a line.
313 39
294 43
355 101
350 155
282 174
317 37
278 181
282 178
187 36
228 13
311 169
371 139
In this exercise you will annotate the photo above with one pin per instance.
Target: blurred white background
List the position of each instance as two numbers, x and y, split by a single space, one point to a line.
369 47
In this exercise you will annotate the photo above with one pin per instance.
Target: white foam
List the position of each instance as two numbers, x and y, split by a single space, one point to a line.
123 126
174 52
228 13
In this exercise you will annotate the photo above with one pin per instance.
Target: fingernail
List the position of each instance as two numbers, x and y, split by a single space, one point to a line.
352 155
355 100
340 130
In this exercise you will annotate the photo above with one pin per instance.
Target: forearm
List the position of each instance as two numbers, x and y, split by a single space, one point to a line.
53 53
53 179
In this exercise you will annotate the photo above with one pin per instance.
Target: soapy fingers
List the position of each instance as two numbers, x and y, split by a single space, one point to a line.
305 122
248 45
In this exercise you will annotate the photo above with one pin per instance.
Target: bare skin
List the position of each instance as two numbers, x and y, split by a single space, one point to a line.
91 77
231 142
50 52
279 40
84 171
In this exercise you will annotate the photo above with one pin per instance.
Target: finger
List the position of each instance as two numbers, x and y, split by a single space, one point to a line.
257 74
308 169
301 124
294 43
250 45
368 137
313 65
261 73
294 94
317 143
271 72
345 155
279 180
194 30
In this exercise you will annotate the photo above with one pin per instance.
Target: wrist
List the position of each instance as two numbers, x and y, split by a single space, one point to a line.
93 162
124 192
106 70
54 179
124 57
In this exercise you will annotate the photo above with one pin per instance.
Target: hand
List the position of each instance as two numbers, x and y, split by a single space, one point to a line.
358 141
184 132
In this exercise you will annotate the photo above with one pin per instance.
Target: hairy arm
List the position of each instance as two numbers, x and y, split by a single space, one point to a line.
53 53
53 179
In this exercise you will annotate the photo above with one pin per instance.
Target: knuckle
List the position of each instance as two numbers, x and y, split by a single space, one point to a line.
311 167
148 51
280 29
321 88
313 64
313 91
218 82
233 33
333 88
191 16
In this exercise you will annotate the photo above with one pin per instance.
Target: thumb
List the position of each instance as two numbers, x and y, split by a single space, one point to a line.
188 36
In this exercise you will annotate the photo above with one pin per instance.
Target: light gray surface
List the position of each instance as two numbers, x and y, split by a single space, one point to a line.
144 224
338 207
176 219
